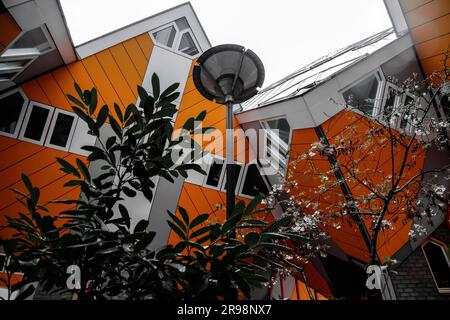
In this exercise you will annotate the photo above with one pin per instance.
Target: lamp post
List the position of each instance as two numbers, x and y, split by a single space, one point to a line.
229 74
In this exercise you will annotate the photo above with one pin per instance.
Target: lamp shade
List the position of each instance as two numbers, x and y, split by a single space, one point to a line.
228 73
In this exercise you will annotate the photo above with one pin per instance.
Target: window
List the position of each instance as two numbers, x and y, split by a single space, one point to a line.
27 47
13 106
436 256
404 120
445 105
215 173
253 183
237 176
177 36
390 103
165 36
187 45
182 24
276 148
2 262
36 123
61 130
364 94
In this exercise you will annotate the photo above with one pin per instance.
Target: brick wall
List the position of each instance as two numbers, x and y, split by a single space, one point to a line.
414 280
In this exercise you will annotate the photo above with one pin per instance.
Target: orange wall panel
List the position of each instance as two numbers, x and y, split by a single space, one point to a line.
101 81
375 160
427 12
433 29
137 56
116 77
34 92
146 45
128 69
429 25
433 47
8 29
53 91
409 5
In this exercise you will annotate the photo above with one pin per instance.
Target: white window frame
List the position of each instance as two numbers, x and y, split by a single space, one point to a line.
81 138
222 173
398 99
378 73
7 262
26 53
11 55
442 246
408 128
21 115
239 179
244 174
264 125
176 40
3 268
31 105
52 128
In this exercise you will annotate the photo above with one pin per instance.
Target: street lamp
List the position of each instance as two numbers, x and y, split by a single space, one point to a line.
229 74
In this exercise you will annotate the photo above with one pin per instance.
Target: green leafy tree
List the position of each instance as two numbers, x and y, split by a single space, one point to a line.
115 261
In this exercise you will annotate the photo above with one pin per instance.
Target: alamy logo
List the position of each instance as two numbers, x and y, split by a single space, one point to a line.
271 148
374 277
74 279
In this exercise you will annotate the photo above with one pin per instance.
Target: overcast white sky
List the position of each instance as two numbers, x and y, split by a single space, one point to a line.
285 34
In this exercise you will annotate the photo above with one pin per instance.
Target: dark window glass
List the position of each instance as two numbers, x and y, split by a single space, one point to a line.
237 171
283 128
11 106
182 24
165 36
408 106
389 103
33 39
253 182
445 103
438 263
8 75
36 123
214 173
363 95
61 132
187 45
2 261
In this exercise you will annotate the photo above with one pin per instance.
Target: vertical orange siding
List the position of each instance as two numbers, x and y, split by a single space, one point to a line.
429 25
8 29
115 72
376 159
199 200
39 163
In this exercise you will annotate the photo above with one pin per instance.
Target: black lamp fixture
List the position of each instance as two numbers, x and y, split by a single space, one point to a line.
229 74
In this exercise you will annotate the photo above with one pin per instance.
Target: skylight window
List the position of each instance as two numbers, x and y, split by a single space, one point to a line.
177 36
